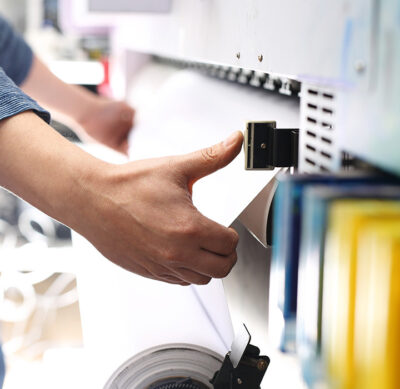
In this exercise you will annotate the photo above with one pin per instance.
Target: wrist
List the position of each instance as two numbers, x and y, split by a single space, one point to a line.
44 169
89 108
78 207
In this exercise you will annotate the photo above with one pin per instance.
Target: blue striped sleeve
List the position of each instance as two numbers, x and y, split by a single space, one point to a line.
15 55
13 101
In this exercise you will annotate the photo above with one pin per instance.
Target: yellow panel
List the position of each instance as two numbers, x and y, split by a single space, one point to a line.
345 219
377 318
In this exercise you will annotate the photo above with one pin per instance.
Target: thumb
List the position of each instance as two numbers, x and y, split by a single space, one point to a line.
206 161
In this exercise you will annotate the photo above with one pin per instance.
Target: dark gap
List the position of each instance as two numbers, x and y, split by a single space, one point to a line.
311 120
313 92
323 153
327 110
328 95
326 140
326 125
309 147
310 161
312 134
312 106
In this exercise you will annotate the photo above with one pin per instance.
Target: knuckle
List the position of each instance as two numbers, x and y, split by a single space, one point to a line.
234 240
173 166
223 271
234 259
227 266
189 229
170 256
235 237
209 154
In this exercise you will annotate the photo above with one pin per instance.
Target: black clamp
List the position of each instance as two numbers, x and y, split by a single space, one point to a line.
267 147
243 367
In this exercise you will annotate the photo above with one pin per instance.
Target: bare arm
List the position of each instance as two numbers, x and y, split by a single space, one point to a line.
107 121
139 215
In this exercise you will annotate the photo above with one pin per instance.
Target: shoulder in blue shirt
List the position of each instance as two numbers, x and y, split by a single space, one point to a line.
14 101
15 55
15 62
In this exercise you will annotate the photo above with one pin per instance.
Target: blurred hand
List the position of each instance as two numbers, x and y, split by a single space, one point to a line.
140 216
105 120
109 122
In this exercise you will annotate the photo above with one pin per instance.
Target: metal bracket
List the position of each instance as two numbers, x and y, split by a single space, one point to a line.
267 147
243 367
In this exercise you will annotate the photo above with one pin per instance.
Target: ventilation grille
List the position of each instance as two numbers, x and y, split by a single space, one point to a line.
318 151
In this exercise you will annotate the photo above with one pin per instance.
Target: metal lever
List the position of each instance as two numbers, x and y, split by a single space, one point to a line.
267 147
243 367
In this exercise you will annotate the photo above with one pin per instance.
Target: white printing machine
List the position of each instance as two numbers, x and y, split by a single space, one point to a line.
196 70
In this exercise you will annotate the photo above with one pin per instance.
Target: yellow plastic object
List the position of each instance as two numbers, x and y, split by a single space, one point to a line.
377 317
345 219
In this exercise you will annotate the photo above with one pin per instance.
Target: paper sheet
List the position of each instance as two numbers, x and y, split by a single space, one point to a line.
123 314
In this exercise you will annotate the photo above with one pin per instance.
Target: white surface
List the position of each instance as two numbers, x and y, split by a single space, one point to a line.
78 72
129 5
304 39
32 257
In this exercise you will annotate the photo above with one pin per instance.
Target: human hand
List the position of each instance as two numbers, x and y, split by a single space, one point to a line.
140 216
105 120
109 122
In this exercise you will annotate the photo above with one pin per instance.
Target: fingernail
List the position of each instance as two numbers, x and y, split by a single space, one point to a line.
230 140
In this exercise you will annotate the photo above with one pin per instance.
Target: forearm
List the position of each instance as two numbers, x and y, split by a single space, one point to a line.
72 102
43 168
106 121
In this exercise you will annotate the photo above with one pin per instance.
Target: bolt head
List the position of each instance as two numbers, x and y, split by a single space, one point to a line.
238 55
263 146
261 364
260 58
360 66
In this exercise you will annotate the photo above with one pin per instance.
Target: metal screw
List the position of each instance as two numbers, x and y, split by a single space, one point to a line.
360 66
260 58
263 146
238 55
261 364
239 381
